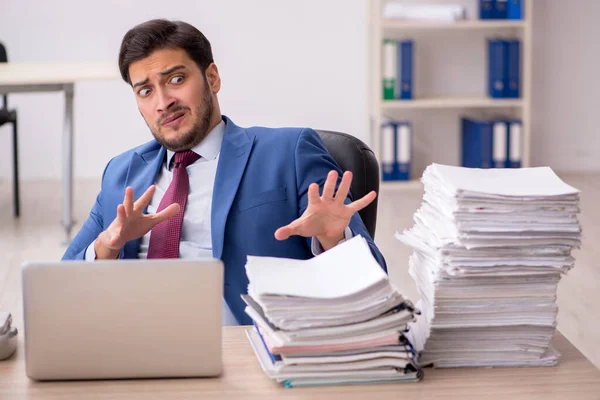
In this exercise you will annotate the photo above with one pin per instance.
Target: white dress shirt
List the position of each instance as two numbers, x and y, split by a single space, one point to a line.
196 237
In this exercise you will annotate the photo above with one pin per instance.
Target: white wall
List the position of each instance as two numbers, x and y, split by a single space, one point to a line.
565 86
282 63
289 62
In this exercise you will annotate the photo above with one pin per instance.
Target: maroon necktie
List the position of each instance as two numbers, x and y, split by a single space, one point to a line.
164 238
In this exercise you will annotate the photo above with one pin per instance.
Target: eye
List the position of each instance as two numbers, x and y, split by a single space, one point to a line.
144 92
177 79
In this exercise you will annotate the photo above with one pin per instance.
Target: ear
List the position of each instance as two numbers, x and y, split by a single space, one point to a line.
213 78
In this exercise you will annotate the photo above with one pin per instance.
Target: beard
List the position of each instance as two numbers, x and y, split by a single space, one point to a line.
197 133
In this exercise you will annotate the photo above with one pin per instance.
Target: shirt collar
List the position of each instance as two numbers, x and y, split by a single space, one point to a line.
208 148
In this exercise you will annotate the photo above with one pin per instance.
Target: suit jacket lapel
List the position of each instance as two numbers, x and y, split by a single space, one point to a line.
141 174
235 150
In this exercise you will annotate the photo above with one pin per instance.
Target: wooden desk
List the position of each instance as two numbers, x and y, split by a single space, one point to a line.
44 77
574 378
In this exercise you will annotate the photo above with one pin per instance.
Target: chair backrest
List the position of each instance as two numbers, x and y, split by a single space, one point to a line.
3 59
354 155
3 56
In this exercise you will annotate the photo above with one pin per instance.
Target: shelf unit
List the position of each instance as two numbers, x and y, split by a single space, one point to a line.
449 102
381 28
467 24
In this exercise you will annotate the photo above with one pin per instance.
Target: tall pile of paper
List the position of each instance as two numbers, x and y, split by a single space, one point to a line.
332 319
490 246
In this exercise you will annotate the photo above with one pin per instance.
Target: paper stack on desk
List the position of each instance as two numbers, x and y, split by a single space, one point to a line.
489 250
332 319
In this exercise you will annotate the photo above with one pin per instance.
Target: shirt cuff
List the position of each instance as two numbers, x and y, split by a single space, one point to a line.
90 253
318 249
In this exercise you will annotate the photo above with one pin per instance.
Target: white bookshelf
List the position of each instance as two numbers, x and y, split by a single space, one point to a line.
449 102
432 105
468 24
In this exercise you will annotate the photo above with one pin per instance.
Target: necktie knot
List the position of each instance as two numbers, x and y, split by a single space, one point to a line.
185 158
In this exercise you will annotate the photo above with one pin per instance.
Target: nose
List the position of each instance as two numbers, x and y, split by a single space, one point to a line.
164 101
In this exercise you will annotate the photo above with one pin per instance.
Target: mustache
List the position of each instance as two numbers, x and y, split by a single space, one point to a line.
173 110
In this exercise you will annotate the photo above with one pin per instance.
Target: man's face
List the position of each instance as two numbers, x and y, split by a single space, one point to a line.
173 97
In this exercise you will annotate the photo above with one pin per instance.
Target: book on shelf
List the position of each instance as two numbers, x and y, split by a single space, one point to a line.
491 143
504 68
501 9
397 69
396 150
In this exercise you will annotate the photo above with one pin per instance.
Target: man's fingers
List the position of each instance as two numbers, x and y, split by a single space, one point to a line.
344 187
286 231
363 202
121 214
128 201
283 233
313 194
165 214
144 199
329 186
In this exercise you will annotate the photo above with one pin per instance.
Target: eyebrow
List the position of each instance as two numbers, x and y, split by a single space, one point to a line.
167 72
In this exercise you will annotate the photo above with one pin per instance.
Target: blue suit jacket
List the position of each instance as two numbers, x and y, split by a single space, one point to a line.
261 184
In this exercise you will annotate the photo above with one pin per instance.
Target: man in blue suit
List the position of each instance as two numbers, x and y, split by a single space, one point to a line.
206 187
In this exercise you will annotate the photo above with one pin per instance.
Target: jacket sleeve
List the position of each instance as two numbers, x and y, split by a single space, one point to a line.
313 163
90 230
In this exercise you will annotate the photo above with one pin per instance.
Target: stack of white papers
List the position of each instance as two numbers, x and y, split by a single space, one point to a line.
332 319
490 246
424 12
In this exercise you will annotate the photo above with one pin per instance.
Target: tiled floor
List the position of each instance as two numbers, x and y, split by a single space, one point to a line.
37 235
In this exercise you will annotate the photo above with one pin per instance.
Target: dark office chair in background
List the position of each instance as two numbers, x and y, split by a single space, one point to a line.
10 116
353 155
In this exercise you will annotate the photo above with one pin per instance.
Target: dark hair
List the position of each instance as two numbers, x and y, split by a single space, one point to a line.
142 40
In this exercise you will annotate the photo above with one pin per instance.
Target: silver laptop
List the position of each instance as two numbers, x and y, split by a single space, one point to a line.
122 319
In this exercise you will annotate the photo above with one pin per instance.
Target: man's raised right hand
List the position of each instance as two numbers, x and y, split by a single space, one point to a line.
131 223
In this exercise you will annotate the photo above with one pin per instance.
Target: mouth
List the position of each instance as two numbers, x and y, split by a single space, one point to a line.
173 119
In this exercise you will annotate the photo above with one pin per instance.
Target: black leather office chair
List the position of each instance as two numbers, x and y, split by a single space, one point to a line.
10 116
355 156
